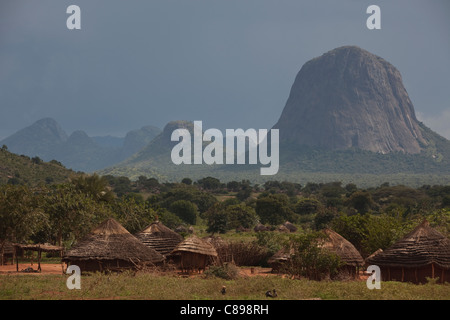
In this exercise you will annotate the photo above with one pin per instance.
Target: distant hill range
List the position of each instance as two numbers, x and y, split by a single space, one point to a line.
348 117
48 141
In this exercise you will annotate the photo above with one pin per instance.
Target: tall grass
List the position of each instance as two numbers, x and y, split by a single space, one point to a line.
172 287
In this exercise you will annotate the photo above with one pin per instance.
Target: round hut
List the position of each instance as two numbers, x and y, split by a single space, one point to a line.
160 238
195 253
282 228
422 253
346 251
280 258
110 247
290 226
260 227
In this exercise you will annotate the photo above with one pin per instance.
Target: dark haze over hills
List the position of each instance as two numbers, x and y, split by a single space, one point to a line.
348 112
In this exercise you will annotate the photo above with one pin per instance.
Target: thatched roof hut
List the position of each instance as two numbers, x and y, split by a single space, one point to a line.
422 253
333 243
194 253
349 256
260 227
280 258
290 226
343 248
111 247
160 238
282 228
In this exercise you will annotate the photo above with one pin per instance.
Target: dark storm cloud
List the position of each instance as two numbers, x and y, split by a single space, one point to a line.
228 63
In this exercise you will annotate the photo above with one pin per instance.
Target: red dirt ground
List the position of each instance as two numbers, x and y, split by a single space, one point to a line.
45 268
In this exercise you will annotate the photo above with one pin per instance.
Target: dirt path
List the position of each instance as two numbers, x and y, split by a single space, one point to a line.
252 272
45 268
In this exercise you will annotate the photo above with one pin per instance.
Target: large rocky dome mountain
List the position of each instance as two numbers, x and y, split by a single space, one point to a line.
348 118
350 98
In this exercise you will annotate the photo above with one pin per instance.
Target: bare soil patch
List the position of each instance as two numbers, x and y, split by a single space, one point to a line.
28 268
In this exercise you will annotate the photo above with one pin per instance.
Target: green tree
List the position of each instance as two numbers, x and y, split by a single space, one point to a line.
185 210
225 216
244 193
446 201
134 215
309 259
187 181
36 160
20 214
95 186
353 228
274 209
120 185
332 190
209 183
233 186
168 218
361 201
217 219
150 184
324 217
203 200
381 232
240 215
306 206
71 213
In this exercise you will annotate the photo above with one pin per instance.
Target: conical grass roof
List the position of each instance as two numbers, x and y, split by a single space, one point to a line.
422 246
374 254
111 241
281 255
346 251
194 244
160 238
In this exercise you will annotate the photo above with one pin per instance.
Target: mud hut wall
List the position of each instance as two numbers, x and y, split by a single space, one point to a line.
92 265
349 271
415 275
193 261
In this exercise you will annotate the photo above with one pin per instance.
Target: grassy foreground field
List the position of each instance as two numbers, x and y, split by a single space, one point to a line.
170 287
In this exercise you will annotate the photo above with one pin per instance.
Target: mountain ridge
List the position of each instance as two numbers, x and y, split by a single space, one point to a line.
348 115
47 140
365 81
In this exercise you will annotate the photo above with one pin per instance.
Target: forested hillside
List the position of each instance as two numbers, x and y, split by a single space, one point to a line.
20 169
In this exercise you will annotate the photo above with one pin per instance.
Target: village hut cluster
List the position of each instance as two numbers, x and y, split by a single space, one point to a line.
110 247
423 253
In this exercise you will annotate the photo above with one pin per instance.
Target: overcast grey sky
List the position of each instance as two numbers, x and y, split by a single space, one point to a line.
229 63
